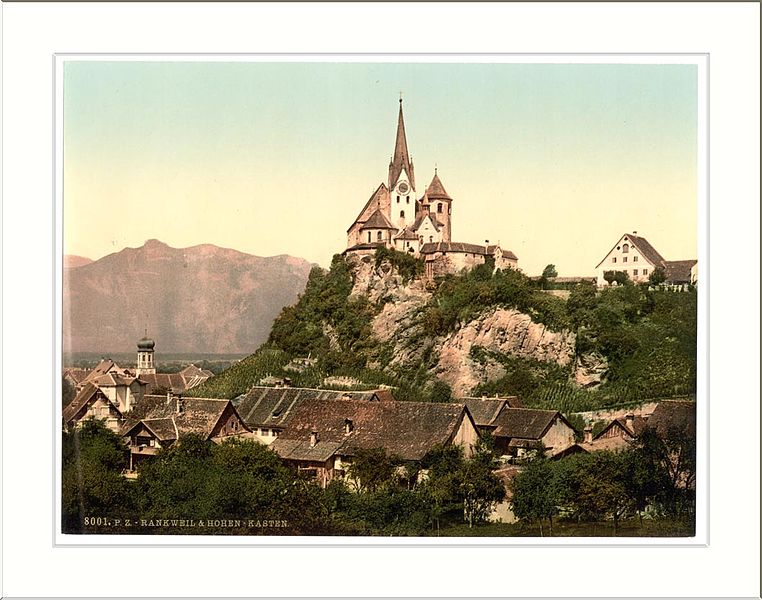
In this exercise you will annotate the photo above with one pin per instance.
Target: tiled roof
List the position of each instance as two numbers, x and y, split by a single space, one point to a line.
436 190
159 414
300 449
82 399
378 221
176 382
76 375
366 246
674 416
406 429
638 424
678 271
193 371
510 255
271 406
433 247
524 423
406 234
485 410
647 250
422 217
375 198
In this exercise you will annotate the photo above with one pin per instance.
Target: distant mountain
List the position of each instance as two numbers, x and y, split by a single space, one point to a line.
72 260
202 299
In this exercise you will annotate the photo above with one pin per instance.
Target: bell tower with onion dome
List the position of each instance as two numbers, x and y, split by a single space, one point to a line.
401 180
146 365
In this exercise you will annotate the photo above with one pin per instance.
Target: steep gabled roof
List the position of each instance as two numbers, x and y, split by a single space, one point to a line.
422 217
436 190
406 429
485 410
643 246
525 423
406 234
401 158
376 197
81 400
378 221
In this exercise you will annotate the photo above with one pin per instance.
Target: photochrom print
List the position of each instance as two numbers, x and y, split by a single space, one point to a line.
418 297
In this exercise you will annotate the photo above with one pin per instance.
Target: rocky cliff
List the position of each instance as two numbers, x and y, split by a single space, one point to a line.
498 330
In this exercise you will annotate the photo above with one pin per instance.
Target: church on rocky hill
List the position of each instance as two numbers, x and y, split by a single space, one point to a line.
395 217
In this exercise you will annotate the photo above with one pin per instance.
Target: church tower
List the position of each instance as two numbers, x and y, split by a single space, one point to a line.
145 364
440 206
401 180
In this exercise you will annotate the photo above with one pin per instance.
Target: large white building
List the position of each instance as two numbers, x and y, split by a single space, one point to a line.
635 256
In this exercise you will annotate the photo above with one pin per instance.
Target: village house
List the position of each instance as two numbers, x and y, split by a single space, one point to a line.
159 421
92 402
323 435
521 432
395 217
267 411
635 256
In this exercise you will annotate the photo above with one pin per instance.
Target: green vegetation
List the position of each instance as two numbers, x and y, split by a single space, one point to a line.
408 266
645 337
461 298
610 486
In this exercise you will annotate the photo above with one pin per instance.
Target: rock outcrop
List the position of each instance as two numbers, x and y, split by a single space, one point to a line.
500 330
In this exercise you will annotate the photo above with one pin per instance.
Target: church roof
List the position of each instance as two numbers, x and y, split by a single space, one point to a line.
376 198
434 247
401 159
436 190
406 234
378 221
423 216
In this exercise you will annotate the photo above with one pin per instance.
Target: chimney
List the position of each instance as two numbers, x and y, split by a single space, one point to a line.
348 426
634 233
588 434
313 438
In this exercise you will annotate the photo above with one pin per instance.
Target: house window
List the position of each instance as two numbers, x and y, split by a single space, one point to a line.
634 259
369 237
624 259
431 238
613 259
634 271
402 214
265 432
407 199
379 236
439 207
276 433
625 248
398 199
645 271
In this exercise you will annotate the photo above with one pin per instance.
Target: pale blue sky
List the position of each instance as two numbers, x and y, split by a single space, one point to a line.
553 161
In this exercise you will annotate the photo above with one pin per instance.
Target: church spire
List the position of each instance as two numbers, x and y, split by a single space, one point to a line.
401 159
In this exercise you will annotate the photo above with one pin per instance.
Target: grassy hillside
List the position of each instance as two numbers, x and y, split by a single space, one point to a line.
647 336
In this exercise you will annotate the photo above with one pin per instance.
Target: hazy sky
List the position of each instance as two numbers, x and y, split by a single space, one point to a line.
553 161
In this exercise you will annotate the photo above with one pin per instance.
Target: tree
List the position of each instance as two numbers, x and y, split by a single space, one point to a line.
549 272
92 483
621 278
440 392
657 276
608 276
536 493
372 469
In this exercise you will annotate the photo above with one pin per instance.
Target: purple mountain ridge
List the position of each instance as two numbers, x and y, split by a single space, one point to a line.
203 299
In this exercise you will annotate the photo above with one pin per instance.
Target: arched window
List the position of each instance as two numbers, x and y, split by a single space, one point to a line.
379 236
402 214
398 199
625 247
369 238
431 238
407 199
439 207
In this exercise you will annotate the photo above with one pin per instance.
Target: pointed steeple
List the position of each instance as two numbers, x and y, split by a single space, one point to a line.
401 159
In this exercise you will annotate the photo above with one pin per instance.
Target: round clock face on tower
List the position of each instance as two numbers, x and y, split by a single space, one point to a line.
403 188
